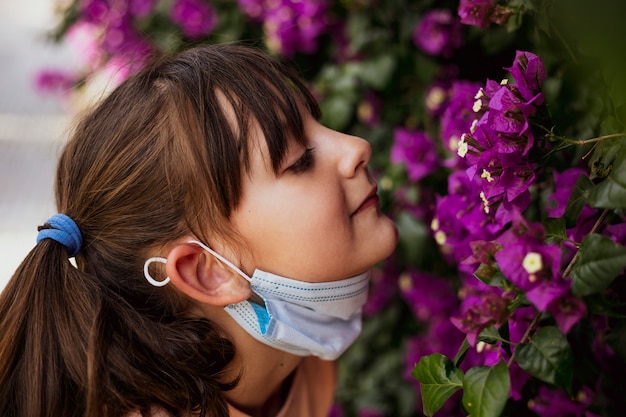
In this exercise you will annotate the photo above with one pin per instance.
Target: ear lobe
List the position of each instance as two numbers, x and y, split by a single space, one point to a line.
202 277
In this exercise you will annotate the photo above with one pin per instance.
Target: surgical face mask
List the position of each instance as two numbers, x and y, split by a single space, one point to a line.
302 318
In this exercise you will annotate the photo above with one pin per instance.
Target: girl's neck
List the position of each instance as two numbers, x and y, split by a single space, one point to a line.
266 374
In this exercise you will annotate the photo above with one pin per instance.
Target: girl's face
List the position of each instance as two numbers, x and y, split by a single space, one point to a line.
318 219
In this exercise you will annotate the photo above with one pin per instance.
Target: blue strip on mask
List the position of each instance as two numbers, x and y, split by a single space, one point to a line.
262 315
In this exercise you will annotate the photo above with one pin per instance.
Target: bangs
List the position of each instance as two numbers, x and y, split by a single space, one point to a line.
272 96
260 92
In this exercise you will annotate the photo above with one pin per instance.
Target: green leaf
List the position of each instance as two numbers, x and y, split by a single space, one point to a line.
376 72
460 354
337 111
489 335
577 199
605 151
611 192
491 275
486 390
547 356
600 260
609 160
555 230
439 379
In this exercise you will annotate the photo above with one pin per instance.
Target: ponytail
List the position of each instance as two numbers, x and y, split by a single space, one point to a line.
70 347
44 309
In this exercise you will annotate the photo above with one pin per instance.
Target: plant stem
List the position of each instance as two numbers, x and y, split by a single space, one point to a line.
531 326
593 140
595 227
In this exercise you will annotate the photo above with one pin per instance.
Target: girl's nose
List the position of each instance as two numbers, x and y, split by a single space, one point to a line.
356 154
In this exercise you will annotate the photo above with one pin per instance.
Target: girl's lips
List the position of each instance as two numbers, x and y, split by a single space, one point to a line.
371 200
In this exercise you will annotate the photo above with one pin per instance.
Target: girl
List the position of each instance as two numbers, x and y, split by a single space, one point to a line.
222 239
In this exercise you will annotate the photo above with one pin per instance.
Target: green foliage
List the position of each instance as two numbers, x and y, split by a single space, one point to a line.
486 390
439 379
599 262
547 356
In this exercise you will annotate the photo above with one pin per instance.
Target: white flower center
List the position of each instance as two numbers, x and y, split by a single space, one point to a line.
532 263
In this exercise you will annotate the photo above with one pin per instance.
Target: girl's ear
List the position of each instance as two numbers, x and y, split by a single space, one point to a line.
203 277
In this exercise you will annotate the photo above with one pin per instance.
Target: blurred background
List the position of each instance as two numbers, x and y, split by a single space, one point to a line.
31 126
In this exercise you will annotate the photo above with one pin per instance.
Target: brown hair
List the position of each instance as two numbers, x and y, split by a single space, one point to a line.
156 160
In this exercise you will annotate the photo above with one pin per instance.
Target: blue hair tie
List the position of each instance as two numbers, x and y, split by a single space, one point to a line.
65 231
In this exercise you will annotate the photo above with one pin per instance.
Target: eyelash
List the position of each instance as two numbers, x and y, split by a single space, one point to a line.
304 163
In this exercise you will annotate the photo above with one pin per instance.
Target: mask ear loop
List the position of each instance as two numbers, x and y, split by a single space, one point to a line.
146 273
221 258
154 282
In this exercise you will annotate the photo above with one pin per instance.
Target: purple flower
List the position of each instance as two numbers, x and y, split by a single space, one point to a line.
476 12
384 287
416 151
617 232
436 98
527 263
438 33
290 26
370 412
529 74
563 185
519 321
253 8
429 297
54 81
458 116
196 18
94 11
141 7
556 403
490 309
567 310
440 336
459 218
368 111
509 115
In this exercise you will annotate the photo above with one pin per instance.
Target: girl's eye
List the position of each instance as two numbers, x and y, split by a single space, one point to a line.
304 163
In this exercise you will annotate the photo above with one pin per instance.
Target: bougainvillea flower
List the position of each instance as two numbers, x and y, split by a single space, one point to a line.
547 292
427 295
459 217
369 109
529 263
458 116
557 403
490 310
436 98
384 286
141 8
438 32
476 12
510 116
529 74
196 18
567 310
54 81
519 321
290 26
518 377
94 11
506 210
416 150
563 185
617 232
